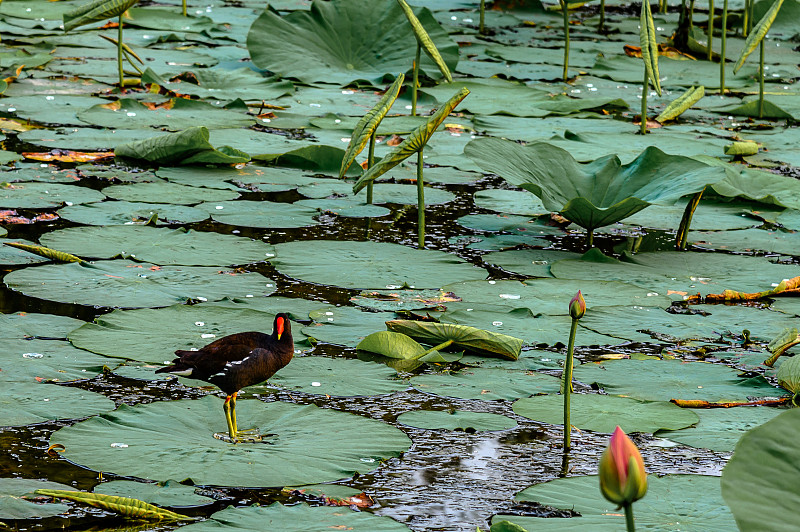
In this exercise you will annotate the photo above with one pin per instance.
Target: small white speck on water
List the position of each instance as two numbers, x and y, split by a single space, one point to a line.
368 460
130 113
345 139
348 92
453 17
314 105
117 445
408 107
208 335
329 313
509 296
269 254
497 323
248 295
32 355
49 97
470 310
337 121
492 282
467 20
651 294
199 323
201 298
11 110
330 319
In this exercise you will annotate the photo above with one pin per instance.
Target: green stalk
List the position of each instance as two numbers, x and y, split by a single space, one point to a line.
629 517
439 347
722 45
750 5
745 18
761 79
662 6
691 15
415 82
567 385
420 204
565 10
119 54
590 238
645 90
370 162
710 28
184 8
602 23
483 8
686 221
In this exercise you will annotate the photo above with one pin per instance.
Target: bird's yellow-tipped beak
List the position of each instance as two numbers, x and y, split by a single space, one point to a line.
279 326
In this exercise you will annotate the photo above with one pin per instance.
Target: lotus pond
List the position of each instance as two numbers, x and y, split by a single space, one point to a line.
208 184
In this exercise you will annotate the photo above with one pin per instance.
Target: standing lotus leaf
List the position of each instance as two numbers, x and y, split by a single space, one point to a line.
647 39
463 336
96 11
597 193
757 34
425 40
413 143
366 127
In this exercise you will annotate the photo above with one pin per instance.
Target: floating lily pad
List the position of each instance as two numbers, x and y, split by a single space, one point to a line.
678 273
747 240
134 284
309 445
50 360
708 216
163 192
542 295
347 206
344 325
170 493
14 506
297 518
374 265
27 325
395 300
663 380
45 195
601 413
455 420
119 333
175 115
339 377
533 262
762 464
128 213
510 201
487 384
25 403
265 214
162 246
529 360
720 428
694 500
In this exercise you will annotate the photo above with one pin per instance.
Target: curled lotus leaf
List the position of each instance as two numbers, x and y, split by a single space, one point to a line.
95 11
462 336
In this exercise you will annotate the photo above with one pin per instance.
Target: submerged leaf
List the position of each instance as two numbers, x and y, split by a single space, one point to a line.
412 144
463 336
122 505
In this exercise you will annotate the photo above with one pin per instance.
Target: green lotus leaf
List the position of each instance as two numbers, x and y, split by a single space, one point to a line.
119 333
170 493
764 463
664 380
487 384
296 518
31 360
95 11
455 420
694 500
392 344
190 146
128 213
476 340
133 508
306 445
31 325
789 375
168 193
681 103
414 143
720 428
162 246
13 504
757 34
597 193
123 283
175 115
369 123
375 265
533 262
45 195
343 41
602 413
335 377
266 214
25 403
771 241
424 40
395 300
510 201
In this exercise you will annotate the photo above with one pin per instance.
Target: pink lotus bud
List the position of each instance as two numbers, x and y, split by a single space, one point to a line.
622 475
577 306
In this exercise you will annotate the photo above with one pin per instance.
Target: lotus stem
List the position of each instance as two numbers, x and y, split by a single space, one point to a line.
415 82
420 203
745 17
439 347
602 23
370 162
686 221
119 55
567 385
750 5
645 90
662 6
761 79
691 15
565 10
184 8
483 8
590 238
629 517
722 48
710 53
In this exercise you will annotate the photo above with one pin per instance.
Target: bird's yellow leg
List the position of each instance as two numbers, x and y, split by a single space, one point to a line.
230 416
248 435
232 421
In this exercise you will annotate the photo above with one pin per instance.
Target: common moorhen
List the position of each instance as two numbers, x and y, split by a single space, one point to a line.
237 361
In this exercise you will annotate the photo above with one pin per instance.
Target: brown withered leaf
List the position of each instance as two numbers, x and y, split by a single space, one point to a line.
663 50
68 156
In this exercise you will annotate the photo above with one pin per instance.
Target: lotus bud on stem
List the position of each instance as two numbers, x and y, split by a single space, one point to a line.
577 308
623 479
